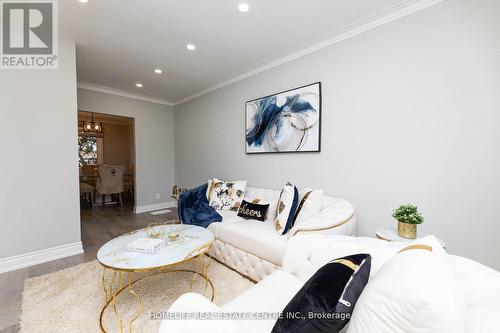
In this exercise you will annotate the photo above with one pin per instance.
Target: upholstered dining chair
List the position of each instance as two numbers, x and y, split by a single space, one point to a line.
110 181
87 190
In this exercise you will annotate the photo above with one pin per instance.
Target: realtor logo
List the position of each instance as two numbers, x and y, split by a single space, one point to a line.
29 34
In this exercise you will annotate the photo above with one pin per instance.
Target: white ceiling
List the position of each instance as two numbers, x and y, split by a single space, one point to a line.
121 42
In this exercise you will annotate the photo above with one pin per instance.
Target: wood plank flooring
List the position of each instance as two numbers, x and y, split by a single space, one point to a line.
97 227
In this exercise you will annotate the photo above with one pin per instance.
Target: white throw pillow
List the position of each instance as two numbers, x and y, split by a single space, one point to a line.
225 195
310 203
285 209
416 291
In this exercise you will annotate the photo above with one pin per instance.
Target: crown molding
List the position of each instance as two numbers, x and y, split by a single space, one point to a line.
369 23
112 91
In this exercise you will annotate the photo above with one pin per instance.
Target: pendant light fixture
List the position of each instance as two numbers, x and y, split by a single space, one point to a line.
92 127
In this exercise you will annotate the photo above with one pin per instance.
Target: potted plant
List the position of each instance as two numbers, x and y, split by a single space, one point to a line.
408 217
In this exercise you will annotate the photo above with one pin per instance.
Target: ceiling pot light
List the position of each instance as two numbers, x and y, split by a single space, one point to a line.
139 85
191 47
158 71
83 1
243 7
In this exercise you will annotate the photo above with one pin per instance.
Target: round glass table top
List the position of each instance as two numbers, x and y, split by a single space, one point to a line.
192 241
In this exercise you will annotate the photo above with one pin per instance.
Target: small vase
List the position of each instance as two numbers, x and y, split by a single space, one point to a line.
407 230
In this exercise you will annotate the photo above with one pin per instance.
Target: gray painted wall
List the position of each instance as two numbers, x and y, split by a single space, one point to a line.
154 141
410 114
39 206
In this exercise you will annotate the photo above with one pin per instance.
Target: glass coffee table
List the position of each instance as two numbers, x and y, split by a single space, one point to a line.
191 245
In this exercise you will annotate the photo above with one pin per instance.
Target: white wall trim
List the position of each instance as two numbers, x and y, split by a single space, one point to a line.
153 207
112 91
371 22
39 257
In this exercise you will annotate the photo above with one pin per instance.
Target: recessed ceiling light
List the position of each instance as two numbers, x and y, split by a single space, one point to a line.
243 7
139 85
158 71
83 1
191 47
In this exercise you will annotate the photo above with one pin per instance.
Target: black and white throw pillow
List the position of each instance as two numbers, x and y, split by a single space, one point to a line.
253 211
326 301
286 208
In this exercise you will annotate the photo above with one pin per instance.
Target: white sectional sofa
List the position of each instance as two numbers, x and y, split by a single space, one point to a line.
307 253
255 249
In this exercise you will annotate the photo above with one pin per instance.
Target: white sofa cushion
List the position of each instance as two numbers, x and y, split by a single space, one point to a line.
256 237
481 286
310 203
228 217
414 292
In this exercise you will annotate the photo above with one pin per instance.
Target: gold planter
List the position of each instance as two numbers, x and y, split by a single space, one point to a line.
407 230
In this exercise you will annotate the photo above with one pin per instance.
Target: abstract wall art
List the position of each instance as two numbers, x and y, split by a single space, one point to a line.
286 122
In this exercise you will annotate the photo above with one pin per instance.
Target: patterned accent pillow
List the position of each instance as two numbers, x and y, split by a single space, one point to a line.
224 195
286 207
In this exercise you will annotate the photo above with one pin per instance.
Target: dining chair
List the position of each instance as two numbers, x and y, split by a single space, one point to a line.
110 181
87 190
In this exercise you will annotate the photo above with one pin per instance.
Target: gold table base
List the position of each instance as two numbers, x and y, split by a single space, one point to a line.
115 288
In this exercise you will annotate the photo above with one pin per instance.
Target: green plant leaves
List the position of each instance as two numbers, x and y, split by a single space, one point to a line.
408 214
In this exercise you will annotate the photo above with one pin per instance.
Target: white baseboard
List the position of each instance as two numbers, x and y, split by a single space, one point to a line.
39 257
153 207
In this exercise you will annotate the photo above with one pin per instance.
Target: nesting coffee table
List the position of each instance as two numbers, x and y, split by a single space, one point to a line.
192 245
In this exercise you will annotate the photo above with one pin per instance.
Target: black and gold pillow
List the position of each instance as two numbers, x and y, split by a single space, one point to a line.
254 211
325 302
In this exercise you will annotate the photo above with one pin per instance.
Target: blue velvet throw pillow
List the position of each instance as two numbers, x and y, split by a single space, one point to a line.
326 301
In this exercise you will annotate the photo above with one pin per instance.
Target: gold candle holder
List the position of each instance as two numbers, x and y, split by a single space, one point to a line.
155 230
173 229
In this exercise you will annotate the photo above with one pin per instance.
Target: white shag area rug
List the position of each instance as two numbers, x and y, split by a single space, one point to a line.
71 300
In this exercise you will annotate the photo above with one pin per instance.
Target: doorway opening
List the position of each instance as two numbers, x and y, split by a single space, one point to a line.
106 161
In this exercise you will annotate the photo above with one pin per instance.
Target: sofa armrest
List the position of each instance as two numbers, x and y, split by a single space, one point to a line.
338 218
195 303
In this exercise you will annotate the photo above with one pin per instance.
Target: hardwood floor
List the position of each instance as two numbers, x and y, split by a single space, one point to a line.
97 227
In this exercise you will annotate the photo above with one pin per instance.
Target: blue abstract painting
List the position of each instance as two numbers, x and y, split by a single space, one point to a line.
289 121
